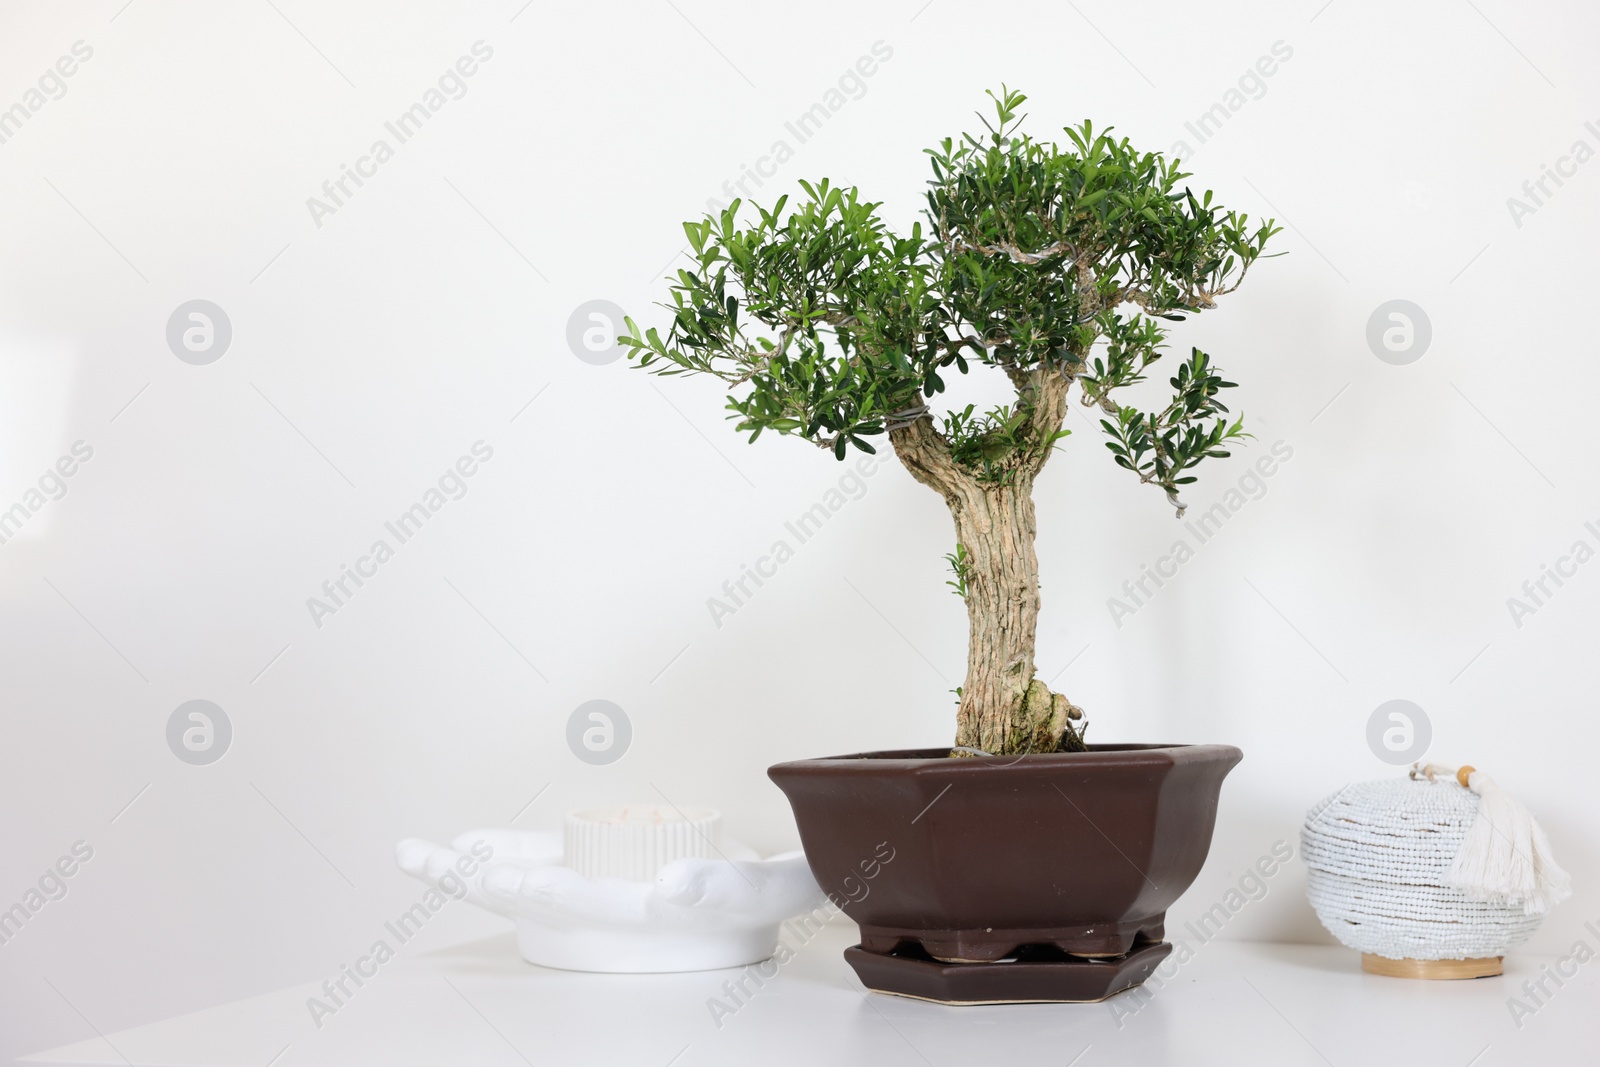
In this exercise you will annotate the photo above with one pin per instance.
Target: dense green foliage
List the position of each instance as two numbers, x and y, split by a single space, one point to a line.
1033 257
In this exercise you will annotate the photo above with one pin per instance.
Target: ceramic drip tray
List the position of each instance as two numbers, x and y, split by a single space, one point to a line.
1034 975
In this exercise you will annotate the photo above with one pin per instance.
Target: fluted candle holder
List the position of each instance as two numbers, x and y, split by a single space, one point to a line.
635 841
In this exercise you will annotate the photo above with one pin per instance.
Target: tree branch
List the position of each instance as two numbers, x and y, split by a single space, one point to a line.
923 450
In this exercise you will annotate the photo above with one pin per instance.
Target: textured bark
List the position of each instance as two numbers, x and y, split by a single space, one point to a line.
1004 709
997 527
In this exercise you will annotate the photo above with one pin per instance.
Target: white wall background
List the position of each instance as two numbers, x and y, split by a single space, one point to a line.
370 352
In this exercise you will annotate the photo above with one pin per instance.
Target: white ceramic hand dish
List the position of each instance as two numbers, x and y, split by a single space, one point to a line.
694 915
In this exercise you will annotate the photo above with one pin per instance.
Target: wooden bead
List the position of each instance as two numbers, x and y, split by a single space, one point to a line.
1465 773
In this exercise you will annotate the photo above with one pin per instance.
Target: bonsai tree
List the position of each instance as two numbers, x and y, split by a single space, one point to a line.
1056 266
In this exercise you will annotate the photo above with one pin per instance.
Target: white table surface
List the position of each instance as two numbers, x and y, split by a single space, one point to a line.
1232 1003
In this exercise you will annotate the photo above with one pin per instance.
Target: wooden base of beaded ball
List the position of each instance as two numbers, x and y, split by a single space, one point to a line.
1486 967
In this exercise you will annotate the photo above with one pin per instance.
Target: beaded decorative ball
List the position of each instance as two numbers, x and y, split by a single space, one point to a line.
1376 856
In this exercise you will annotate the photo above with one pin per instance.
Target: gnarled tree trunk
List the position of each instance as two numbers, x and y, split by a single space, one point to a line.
1004 708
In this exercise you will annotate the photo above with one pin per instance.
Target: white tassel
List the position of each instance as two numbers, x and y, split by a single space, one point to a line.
1505 858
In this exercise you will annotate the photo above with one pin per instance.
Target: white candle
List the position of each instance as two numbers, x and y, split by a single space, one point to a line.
637 840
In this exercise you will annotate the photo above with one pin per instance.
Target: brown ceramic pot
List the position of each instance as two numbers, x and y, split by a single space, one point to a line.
973 858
